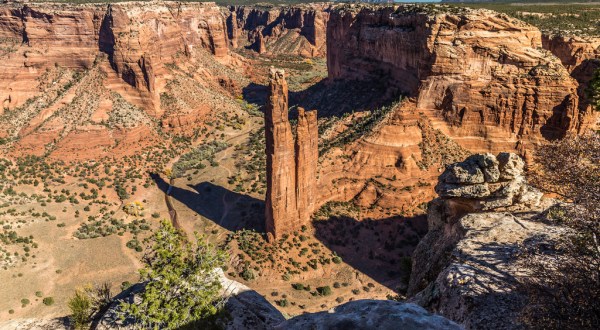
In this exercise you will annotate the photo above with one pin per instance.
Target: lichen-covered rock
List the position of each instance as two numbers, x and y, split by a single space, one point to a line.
489 182
510 165
370 314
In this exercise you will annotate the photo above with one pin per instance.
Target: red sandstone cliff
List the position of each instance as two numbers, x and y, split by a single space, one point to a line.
280 205
139 39
307 159
299 30
476 81
104 72
581 56
291 165
478 69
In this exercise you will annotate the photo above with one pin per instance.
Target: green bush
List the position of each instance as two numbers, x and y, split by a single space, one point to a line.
247 274
324 290
176 267
48 301
81 310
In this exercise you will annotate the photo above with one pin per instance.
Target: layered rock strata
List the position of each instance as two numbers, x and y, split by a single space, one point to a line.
139 39
466 267
291 164
93 80
298 30
485 182
482 72
581 56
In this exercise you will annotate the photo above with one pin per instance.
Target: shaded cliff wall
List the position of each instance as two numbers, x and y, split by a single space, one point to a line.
299 30
581 56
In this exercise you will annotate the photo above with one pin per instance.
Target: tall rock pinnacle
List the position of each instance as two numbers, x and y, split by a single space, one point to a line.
291 165
307 157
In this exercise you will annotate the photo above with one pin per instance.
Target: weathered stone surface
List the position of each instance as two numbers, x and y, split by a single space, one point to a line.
370 314
307 159
291 164
466 268
581 56
489 181
138 38
510 165
281 213
247 309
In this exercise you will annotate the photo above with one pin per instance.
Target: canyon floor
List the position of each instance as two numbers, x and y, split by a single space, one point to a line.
72 228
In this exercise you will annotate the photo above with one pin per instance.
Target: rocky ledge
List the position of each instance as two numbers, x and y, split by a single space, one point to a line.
247 309
467 268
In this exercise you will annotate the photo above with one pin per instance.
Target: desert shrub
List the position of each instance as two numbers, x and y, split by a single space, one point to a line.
24 302
81 310
324 290
48 301
298 286
174 267
247 274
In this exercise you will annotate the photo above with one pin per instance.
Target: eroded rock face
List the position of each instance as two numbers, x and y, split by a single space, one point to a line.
87 81
291 164
477 69
138 38
581 56
466 267
307 159
298 30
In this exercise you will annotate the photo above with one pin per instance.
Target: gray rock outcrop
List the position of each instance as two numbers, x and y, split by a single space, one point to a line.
247 309
370 314
488 182
467 268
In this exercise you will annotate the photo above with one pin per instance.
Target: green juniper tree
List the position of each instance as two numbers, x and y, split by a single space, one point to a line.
181 284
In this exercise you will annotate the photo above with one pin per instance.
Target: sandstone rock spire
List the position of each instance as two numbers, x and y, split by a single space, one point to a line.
307 157
291 165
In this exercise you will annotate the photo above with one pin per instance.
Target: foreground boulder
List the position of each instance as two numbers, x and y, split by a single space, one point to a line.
467 268
370 314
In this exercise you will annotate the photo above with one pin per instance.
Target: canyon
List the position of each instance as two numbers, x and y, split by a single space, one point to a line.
113 104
